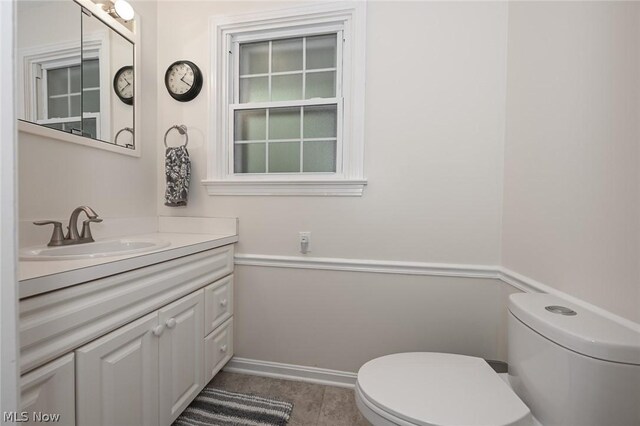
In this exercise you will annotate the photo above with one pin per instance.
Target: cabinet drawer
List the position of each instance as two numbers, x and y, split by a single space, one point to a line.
218 302
218 349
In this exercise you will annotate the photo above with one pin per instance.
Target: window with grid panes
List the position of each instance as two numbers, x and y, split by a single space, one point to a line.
64 98
286 105
287 110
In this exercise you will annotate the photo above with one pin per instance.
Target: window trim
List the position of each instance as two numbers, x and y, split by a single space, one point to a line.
349 178
66 54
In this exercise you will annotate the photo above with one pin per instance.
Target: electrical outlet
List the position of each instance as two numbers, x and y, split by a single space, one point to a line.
305 242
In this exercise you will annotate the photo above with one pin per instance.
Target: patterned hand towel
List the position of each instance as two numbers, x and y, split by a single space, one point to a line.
178 172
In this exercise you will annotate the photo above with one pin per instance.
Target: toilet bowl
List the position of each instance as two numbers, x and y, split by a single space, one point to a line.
425 388
568 366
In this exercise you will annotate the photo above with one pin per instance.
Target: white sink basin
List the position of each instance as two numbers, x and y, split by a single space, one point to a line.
115 247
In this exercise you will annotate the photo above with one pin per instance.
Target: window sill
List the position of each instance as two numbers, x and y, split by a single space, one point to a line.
315 188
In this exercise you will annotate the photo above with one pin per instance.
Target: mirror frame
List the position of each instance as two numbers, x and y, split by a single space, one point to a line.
134 38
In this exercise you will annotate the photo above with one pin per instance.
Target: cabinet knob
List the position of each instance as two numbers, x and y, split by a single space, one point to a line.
171 322
223 302
223 348
157 330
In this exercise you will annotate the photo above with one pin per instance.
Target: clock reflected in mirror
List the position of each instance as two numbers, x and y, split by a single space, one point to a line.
123 84
183 80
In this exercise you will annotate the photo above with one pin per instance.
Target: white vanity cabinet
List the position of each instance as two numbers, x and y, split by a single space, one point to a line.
146 341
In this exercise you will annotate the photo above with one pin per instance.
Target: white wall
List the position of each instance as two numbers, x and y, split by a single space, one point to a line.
56 176
572 175
340 320
434 132
436 78
8 283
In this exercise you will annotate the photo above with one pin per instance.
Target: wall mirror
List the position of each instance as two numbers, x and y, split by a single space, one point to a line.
76 74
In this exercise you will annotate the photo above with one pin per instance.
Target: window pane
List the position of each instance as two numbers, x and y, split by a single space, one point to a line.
57 126
91 100
250 125
284 123
74 75
58 107
286 87
321 85
319 156
254 89
250 158
89 127
91 73
320 121
321 51
75 105
286 55
254 58
284 157
57 82
73 125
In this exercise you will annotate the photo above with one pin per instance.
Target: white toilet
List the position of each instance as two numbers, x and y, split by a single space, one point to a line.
568 366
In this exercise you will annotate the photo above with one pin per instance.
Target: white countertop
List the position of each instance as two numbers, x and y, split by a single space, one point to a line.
39 276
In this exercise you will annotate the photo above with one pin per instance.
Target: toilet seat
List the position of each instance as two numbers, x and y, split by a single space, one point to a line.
436 389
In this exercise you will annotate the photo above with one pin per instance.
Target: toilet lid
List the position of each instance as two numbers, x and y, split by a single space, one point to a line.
429 389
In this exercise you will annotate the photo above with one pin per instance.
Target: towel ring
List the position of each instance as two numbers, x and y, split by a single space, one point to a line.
125 129
182 129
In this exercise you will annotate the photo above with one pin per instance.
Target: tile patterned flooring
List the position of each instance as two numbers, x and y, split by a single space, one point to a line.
313 404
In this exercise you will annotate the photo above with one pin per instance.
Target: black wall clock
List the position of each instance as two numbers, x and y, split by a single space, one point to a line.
183 80
123 84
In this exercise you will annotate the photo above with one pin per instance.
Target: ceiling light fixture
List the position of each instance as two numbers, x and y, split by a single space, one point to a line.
120 9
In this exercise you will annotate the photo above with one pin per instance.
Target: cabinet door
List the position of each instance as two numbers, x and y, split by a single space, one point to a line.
181 352
47 394
117 376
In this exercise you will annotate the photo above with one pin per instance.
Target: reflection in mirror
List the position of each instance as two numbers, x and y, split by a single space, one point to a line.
76 71
48 41
107 93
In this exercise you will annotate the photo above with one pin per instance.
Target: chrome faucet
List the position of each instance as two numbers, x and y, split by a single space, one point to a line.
72 237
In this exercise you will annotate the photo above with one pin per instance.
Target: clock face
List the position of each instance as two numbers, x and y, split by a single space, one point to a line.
183 80
123 84
180 79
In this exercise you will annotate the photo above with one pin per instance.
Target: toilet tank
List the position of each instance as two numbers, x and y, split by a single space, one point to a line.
571 365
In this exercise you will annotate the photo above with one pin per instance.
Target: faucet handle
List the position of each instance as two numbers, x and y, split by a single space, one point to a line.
57 237
86 230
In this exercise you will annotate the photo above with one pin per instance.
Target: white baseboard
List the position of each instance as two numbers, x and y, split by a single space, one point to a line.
299 373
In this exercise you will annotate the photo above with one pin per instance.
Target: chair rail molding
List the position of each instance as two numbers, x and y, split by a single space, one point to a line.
368 265
495 272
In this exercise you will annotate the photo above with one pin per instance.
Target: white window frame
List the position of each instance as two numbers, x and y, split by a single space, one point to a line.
347 18
33 61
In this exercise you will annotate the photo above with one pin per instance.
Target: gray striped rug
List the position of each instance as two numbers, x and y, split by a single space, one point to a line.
221 408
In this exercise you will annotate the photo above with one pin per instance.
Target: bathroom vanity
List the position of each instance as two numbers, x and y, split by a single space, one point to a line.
129 339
